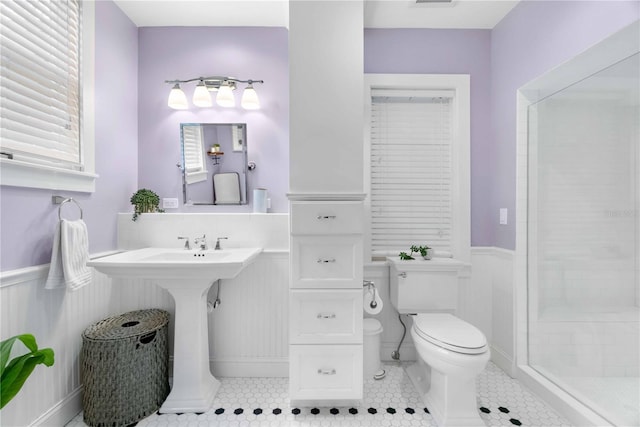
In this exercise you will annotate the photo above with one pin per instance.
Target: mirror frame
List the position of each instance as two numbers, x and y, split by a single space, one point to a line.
243 171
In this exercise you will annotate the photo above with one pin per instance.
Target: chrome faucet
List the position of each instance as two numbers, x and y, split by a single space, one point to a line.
217 248
187 245
201 242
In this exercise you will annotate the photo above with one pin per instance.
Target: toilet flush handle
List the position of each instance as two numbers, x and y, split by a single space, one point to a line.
403 275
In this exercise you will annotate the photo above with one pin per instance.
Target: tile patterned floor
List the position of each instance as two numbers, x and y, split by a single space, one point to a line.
391 402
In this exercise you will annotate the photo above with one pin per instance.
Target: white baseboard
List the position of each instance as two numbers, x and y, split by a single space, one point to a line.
255 367
503 361
63 412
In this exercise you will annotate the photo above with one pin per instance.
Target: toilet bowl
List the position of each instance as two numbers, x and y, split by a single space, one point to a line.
451 355
451 352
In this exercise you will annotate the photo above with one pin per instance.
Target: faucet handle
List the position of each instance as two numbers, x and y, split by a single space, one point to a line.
218 247
187 245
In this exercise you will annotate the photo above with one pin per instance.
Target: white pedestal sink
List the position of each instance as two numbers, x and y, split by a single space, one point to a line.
187 275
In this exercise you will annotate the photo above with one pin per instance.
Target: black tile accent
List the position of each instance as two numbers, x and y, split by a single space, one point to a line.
515 422
353 411
503 409
334 411
277 411
427 410
295 411
315 411
391 411
177 413
257 411
219 411
372 410
409 411
199 413
485 410
238 411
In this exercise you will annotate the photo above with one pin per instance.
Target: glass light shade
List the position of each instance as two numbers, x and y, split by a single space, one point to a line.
177 99
225 96
250 99
201 96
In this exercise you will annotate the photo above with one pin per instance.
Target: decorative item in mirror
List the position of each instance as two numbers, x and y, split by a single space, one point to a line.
214 163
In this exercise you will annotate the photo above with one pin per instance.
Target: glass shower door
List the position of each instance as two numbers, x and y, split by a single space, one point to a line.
583 240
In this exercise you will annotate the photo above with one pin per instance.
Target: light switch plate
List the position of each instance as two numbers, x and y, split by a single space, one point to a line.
169 203
503 216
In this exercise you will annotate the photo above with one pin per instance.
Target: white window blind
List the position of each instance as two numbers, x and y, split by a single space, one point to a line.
411 170
192 152
40 90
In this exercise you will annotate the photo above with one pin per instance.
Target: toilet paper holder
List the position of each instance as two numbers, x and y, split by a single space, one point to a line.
371 286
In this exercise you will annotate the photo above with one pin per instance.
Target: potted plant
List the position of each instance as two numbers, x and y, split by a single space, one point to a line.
14 373
425 251
145 201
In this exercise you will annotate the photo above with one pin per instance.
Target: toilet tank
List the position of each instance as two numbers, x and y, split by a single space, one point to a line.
421 286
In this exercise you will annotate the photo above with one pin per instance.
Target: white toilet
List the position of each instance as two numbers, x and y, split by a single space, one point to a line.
451 352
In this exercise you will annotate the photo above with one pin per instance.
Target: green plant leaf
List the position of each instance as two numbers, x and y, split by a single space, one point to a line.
5 348
15 373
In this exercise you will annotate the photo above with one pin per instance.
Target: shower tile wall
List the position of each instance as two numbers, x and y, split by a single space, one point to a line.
586 244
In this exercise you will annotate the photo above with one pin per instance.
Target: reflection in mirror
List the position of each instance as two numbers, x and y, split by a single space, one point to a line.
214 153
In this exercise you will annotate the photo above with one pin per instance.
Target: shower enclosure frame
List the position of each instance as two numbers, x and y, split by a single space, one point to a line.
613 49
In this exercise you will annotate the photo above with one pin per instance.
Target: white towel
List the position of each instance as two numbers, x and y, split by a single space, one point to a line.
69 256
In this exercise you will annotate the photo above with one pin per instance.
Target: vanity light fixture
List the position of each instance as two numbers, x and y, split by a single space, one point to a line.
177 98
224 86
201 96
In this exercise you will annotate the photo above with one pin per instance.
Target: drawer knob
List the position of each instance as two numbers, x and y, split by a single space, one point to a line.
322 217
326 371
326 315
326 261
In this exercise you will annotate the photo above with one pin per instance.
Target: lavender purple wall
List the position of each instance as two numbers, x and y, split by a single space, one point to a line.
532 39
447 52
168 53
27 216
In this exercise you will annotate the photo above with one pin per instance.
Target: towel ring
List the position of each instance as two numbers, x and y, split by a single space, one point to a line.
66 201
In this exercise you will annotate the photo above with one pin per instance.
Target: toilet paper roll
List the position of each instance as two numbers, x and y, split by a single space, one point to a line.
369 298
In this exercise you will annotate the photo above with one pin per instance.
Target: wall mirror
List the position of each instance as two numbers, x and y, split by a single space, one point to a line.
214 163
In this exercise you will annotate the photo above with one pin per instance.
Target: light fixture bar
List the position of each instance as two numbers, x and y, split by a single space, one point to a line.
224 84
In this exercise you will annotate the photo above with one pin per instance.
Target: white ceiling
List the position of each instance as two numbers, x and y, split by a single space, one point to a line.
275 13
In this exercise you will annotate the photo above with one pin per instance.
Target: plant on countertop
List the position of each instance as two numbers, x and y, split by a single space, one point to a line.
14 373
424 251
145 201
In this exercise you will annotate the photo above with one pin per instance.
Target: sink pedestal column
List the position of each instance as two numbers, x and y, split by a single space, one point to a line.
194 387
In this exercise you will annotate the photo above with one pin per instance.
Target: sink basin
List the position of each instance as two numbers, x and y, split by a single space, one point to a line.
162 263
187 275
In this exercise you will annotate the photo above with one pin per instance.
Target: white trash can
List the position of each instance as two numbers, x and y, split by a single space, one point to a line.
372 330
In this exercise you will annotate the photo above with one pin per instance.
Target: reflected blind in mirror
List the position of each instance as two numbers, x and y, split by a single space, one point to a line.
411 170
193 153
40 72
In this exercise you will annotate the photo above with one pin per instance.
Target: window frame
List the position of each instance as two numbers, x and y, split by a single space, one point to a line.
21 173
459 84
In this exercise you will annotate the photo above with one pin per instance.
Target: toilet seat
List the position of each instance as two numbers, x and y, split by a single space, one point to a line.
447 331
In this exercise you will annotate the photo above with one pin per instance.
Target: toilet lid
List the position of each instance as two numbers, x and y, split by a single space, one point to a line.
451 333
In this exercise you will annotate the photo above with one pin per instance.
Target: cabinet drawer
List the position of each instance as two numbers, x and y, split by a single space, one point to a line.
327 218
326 262
325 316
328 372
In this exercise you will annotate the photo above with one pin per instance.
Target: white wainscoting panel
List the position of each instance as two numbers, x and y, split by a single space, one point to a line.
50 396
249 330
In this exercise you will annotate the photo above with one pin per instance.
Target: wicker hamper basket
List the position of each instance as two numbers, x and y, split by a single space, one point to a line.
124 368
